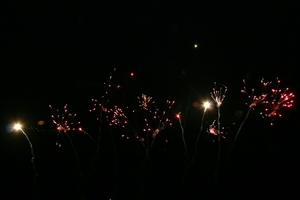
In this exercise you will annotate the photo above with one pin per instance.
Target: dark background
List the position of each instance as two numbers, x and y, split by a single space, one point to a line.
64 53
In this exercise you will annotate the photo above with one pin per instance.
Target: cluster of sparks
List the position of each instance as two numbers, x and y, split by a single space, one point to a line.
256 99
272 99
163 120
213 130
278 99
145 101
100 105
120 119
218 95
64 121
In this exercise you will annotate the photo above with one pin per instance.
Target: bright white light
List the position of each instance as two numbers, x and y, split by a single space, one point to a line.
17 127
195 46
206 105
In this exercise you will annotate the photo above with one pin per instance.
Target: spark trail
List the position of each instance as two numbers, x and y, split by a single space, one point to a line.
18 127
254 101
64 124
218 96
206 105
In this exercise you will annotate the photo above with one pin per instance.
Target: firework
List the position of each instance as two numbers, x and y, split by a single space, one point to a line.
163 120
153 125
182 135
102 107
120 119
110 90
86 133
206 105
218 96
213 130
145 101
183 138
278 99
98 106
256 99
64 122
18 127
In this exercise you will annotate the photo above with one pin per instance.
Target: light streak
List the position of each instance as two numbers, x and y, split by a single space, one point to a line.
206 105
64 124
178 115
218 97
18 127
256 99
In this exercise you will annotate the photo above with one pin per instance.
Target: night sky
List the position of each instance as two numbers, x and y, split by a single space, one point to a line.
57 54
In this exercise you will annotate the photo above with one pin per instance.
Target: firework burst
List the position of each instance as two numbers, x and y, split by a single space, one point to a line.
145 101
110 90
256 99
120 119
64 122
163 120
213 130
278 98
153 125
218 95
102 107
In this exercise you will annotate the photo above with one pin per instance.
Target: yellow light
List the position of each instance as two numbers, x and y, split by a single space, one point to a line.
195 46
17 127
206 105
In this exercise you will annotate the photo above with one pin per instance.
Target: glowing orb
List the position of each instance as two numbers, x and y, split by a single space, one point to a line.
17 127
195 46
9 128
41 122
195 104
206 105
